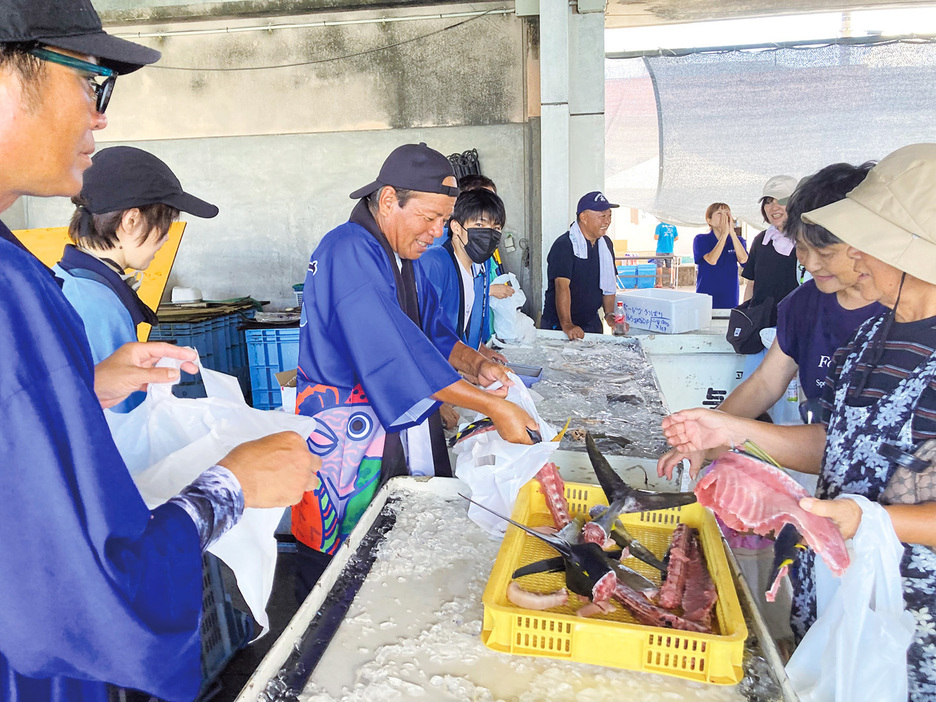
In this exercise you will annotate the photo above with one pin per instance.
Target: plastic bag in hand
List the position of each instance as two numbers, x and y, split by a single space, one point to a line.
167 442
510 324
496 469
857 648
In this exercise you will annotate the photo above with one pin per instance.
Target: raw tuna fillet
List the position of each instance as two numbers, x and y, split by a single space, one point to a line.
671 592
554 492
700 595
748 494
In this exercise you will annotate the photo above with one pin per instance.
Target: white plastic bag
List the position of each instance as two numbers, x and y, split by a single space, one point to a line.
857 648
509 323
496 469
167 442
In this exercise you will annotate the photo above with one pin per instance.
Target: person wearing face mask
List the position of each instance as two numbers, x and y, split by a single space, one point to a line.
581 272
127 202
377 356
459 270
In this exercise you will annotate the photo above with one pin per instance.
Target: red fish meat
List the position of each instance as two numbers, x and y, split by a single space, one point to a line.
700 594
554 491
649 614
671 591
748 494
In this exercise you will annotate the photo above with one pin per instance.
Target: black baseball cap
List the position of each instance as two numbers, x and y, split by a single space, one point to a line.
73 25
413 167
121 177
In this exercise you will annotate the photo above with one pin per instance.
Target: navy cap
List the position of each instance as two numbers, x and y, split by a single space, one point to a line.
121 177
413 167
73 25
593 201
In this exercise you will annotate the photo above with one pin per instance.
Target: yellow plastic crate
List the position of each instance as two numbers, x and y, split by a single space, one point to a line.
614 639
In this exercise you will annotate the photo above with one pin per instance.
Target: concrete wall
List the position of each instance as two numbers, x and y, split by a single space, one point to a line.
278 150
279 195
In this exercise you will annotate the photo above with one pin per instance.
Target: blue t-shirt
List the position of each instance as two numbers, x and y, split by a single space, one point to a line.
666 236
811 325
719 280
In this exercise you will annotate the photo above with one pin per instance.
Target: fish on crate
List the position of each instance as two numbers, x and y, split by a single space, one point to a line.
589 571
749 494
553 488
622 498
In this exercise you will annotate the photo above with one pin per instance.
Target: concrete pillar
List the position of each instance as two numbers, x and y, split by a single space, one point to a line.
572 115
554 124
586 105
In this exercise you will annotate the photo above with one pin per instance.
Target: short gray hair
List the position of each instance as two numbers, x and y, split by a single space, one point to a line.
403 196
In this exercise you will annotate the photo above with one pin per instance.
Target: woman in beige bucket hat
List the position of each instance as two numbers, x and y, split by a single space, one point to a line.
879 404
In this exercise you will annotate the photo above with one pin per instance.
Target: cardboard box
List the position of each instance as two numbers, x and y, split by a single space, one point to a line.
666 311
287 381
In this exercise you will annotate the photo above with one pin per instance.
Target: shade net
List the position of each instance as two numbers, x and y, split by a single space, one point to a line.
684 132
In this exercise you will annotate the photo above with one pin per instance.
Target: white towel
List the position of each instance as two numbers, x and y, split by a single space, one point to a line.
605 258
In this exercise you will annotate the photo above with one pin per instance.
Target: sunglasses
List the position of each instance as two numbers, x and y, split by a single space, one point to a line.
102 90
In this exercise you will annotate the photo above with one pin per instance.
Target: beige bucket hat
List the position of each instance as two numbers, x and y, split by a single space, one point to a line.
892 214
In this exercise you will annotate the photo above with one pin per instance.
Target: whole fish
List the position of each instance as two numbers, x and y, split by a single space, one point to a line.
602 519
786 545
589 572
625 498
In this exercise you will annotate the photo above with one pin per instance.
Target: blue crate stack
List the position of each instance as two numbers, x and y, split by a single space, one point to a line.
270 351
224 629
221 346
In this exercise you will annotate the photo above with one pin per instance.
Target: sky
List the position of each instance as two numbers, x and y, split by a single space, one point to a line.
771 29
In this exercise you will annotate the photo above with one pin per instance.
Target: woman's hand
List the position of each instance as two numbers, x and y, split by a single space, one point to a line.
669 460
697 429
845 513
501 291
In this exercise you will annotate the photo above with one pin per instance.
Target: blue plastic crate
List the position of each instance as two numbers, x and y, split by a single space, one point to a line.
641 275
224 629
270 351
221 346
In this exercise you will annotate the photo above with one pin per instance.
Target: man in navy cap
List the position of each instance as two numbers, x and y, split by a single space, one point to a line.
377 355
96 588
581 272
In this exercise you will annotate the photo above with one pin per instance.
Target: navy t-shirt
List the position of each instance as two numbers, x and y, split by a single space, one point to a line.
721 280
811 325
584 284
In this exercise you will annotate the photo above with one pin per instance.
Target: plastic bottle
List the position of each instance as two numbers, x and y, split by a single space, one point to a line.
620 320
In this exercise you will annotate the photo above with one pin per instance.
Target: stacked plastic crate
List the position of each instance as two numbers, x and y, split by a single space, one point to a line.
270 351
220 343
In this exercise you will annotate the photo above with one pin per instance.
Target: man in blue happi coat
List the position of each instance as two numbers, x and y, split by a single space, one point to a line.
95 587
377 356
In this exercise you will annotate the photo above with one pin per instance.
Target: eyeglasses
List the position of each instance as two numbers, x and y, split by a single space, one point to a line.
102 90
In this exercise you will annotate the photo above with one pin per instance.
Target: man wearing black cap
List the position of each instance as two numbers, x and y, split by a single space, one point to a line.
96 588
377 356
581 272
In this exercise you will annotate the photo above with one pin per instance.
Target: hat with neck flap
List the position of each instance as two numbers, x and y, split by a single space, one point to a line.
891 215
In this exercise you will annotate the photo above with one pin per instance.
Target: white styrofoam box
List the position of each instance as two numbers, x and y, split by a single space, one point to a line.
666 311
